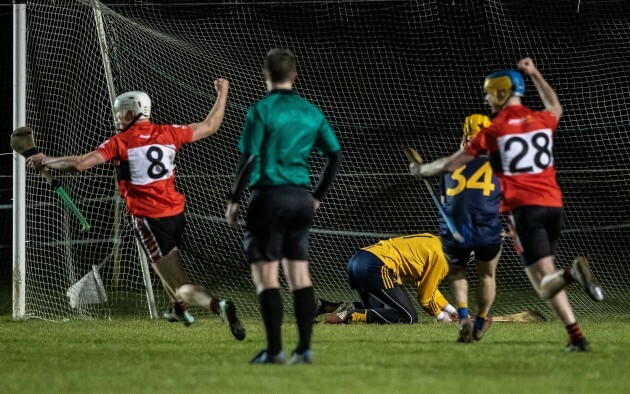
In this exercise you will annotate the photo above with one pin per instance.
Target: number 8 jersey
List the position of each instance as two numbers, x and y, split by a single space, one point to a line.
144 156
520 144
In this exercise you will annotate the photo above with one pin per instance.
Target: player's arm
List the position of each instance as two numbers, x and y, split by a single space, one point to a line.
441 166
330 172
213 121
66 163
249 146
545 91
243 170
428 291
327 143
429 296
436 305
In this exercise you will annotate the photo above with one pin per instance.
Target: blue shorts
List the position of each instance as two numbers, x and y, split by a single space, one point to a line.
368 273
460 256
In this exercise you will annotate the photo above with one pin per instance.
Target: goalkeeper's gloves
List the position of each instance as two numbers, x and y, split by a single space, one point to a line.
444 318
450 309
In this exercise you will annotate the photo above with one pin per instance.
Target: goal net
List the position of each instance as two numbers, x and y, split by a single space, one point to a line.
386 73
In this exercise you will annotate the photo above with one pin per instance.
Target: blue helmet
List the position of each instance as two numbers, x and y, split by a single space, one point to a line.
508 81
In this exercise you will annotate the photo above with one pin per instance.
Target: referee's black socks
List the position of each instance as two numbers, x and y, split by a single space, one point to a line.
304 306
271 310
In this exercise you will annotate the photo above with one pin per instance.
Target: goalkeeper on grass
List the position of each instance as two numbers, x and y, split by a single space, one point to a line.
378 272
144 155
520 144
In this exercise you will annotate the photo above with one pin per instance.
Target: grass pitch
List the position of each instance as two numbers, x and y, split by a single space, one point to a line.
140 356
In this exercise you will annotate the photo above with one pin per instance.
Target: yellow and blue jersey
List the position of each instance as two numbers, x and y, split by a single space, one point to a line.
416 259
471 197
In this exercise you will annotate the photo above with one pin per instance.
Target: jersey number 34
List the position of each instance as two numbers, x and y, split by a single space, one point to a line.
480 179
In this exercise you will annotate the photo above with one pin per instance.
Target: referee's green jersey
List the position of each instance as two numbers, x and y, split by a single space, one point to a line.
281 131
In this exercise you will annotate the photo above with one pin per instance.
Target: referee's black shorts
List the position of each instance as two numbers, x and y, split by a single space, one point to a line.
537 231
278 223
159 236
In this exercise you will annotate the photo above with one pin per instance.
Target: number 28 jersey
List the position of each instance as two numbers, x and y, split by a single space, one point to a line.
144 156
520 144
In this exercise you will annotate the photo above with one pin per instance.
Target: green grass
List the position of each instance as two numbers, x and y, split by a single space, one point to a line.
139 356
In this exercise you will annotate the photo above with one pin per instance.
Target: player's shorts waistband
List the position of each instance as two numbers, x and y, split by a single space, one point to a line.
278 187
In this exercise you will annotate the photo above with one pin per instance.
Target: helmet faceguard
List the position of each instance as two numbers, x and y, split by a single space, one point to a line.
502 85
137 102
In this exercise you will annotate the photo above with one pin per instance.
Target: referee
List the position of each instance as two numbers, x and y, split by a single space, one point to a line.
279 134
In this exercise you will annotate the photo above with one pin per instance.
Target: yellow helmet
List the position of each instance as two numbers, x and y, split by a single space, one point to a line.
474 123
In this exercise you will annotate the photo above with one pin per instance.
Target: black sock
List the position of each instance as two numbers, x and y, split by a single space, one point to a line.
214 306
179 307
304 305
568 275
271 310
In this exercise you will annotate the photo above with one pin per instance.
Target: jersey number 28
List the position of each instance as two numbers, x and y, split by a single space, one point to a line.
528 153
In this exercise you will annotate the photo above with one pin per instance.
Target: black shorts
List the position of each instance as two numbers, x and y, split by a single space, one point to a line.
459 256
278 224
159 236
537 231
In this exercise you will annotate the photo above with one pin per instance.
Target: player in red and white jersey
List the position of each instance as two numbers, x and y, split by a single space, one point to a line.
520 144
144 155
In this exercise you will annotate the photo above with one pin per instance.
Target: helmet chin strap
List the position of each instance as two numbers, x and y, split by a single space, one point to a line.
133 121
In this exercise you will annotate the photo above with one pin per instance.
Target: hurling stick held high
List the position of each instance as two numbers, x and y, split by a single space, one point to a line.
415 157
22 142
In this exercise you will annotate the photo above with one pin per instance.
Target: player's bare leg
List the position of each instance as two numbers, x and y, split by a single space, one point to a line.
548 283
459 287
557 299
299 280
486 270
172 274
265 277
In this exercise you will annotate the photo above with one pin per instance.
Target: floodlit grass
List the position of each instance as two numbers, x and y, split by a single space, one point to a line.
139 356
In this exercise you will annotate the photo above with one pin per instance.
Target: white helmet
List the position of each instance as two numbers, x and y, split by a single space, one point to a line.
136 101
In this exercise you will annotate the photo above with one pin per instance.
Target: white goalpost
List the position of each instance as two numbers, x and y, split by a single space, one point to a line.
19 171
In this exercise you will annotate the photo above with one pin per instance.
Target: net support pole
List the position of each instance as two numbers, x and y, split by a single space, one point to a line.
146 274
19 168
111 89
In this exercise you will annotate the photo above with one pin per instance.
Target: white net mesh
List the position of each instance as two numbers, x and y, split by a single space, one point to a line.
386 73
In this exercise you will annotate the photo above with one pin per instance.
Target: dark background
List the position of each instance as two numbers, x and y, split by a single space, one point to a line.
6 160
386 73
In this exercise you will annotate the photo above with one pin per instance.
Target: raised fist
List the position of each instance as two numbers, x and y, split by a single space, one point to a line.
526 65
221 85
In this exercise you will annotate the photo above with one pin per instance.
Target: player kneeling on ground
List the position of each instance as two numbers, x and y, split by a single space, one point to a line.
377 273
144 154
